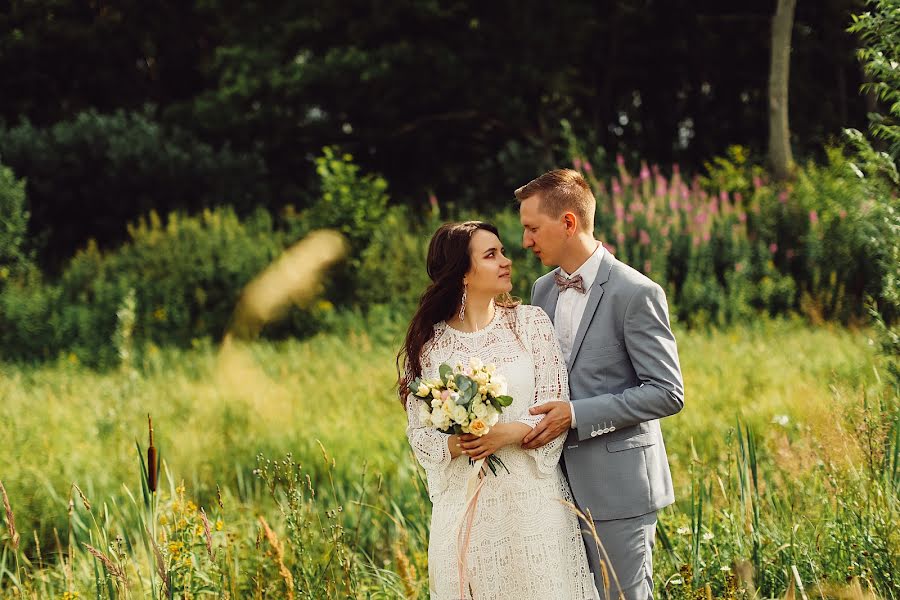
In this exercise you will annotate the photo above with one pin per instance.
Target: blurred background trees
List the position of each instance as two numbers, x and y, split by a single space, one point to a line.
166 153
110 108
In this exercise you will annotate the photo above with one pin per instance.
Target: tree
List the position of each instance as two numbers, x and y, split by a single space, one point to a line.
879 31
780 156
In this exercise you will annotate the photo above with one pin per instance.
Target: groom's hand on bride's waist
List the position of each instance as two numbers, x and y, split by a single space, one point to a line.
557 419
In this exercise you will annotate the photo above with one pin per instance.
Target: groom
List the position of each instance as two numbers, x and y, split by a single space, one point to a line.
613 326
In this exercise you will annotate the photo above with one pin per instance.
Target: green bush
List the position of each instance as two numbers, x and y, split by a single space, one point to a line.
29 318
14 258
89 176
392 266
186 275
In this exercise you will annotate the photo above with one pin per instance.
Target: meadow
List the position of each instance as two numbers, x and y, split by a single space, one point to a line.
286 472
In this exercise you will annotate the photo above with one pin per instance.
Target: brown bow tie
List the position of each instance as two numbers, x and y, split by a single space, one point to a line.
564 283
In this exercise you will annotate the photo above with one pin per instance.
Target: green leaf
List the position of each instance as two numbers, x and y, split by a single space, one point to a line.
504 400
446 372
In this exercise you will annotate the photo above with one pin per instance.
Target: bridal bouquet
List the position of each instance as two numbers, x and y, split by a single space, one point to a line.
461 401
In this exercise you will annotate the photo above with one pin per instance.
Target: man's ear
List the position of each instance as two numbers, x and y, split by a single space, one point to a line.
571 223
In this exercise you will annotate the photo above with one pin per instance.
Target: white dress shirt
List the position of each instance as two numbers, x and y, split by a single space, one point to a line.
571 304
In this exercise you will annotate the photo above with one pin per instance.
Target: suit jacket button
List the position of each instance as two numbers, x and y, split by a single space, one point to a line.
611 429
594 433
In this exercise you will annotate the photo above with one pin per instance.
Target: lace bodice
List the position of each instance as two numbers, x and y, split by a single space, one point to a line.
525 543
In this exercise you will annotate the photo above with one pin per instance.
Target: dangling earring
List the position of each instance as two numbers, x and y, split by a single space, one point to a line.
462 307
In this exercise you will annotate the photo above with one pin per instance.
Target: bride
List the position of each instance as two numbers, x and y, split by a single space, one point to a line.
524 543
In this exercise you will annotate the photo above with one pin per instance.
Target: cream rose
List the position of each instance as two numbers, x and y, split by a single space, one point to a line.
423 390
475 363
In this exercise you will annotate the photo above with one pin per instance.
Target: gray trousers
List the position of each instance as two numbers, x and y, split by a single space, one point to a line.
629 545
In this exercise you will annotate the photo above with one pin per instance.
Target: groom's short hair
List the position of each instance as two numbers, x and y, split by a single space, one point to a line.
563 190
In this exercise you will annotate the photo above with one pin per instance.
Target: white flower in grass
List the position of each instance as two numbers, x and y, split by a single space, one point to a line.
683 530
724 569
782 420
707 536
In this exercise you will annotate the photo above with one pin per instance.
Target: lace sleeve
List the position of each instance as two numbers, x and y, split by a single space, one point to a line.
551 381
430 448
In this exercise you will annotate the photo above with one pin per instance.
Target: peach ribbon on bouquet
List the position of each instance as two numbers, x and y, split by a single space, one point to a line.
474 483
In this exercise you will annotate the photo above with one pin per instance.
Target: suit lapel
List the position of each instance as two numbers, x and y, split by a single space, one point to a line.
549 305
591 307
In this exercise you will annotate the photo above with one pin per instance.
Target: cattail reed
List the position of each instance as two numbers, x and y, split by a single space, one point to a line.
10 519
151 459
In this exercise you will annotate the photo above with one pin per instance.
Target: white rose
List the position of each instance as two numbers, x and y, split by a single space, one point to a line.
481 378
425 415
482 389
490 368
436 403
460 414
475 363
423 390
497 388
440 419
480 409
492 417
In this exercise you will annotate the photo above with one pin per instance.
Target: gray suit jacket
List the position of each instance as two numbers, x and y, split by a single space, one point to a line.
624 376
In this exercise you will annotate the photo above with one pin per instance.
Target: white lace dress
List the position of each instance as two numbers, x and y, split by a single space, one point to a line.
525 544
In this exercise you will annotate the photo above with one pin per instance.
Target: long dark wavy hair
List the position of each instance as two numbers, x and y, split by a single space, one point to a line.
448 261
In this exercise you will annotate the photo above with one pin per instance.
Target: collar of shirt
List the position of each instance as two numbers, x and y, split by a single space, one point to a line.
588 269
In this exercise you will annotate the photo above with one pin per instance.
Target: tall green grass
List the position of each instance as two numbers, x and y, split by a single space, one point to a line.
784 458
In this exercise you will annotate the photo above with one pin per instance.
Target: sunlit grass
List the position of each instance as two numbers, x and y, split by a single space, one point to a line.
798 392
